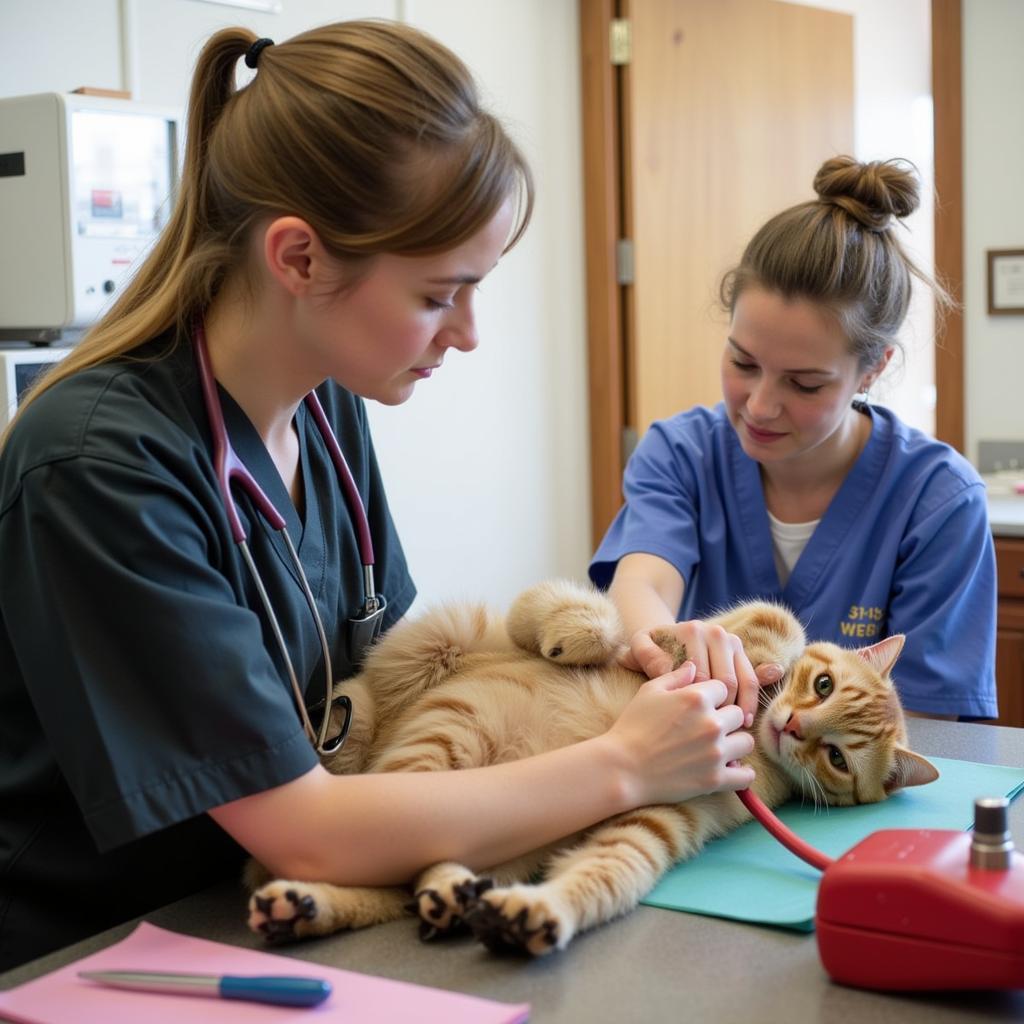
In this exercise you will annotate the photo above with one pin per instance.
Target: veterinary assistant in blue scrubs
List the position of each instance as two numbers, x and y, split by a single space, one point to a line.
333 220
793 489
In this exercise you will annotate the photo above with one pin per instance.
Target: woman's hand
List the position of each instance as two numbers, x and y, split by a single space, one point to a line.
714 653
679 738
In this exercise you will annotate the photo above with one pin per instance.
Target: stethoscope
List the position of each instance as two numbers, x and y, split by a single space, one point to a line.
364 629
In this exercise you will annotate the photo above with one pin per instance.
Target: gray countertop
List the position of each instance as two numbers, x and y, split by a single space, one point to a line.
1005 506
1006 515
652 965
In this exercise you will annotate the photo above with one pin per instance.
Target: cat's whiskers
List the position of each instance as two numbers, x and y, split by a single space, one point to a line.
807 790
816 788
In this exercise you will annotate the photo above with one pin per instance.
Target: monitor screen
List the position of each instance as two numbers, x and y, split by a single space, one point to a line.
25 373
121 173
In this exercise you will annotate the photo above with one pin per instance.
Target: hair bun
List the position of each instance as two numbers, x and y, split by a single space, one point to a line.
871 193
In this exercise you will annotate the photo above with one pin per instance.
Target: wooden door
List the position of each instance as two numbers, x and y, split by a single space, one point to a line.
722 114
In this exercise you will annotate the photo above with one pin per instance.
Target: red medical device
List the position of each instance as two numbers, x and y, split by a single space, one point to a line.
915 909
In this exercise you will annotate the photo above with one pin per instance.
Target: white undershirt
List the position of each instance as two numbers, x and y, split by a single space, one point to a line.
788 541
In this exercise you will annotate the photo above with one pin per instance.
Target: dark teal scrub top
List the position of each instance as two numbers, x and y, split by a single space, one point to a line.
139 684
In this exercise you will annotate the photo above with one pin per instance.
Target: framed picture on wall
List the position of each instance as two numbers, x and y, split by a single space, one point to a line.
1006 282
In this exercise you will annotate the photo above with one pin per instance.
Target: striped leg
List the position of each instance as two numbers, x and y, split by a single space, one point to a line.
602 877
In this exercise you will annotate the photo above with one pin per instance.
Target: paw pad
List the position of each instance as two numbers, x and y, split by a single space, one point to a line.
275 926
441 916
511 934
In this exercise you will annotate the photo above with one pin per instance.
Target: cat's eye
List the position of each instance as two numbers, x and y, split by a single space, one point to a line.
823 685
836 759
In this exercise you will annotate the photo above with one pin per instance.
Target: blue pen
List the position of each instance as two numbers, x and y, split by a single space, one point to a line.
285 990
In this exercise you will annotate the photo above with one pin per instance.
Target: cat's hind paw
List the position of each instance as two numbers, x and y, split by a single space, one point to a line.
519 919
443 895
281 912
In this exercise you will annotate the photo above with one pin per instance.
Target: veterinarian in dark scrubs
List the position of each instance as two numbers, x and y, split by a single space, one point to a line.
332 222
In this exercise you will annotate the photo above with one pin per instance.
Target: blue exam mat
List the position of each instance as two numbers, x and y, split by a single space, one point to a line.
748 876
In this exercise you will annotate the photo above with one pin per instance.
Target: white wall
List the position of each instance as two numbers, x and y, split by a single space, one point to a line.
58 45
993 38
164 37
487 465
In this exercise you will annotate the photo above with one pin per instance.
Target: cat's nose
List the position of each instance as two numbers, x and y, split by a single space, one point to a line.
792 726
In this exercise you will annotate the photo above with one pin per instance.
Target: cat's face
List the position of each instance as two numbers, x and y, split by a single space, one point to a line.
836 727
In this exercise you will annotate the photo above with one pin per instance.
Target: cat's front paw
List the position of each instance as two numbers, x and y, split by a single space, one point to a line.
522 919
566 623
671 645
443 895
282 911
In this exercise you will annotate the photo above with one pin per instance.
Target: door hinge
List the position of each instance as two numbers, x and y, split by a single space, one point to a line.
624 261
629 442
621 41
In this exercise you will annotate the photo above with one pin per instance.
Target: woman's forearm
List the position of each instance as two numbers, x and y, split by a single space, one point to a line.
483 817
381 829
640 605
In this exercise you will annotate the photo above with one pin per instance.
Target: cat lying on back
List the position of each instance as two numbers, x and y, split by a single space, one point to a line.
460 688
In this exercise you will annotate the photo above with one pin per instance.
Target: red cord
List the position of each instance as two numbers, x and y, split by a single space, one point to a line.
789 839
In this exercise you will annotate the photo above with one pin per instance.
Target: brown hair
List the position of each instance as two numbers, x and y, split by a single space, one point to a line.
841 250
371 131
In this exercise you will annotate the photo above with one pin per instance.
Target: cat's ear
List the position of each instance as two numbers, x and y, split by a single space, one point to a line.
882 656
910 769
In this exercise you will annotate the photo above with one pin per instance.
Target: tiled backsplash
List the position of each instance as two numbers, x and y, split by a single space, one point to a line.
996 455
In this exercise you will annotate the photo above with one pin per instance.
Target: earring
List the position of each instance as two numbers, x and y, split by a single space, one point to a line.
863 396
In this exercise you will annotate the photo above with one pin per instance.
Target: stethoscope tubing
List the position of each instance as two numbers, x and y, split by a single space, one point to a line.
229 468
317 739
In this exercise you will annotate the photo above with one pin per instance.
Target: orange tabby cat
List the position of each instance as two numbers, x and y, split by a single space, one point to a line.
460 688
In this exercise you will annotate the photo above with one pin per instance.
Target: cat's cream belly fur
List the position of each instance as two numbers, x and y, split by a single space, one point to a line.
462 688
529 709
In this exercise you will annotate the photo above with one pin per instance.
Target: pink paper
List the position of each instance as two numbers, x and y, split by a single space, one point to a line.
62 996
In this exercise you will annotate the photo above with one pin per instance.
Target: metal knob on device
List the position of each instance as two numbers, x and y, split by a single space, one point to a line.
991 842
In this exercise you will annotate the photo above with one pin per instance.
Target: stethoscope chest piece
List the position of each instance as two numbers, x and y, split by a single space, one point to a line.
365 628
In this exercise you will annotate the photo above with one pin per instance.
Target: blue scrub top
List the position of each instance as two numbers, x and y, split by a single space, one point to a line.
904 547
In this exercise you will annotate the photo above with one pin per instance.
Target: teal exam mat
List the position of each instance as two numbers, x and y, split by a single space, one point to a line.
748 876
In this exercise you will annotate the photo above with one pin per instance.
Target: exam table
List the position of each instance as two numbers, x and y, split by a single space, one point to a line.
653 965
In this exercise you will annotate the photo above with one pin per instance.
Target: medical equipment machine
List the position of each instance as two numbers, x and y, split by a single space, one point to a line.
919 909
19 367
85 184
363 629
